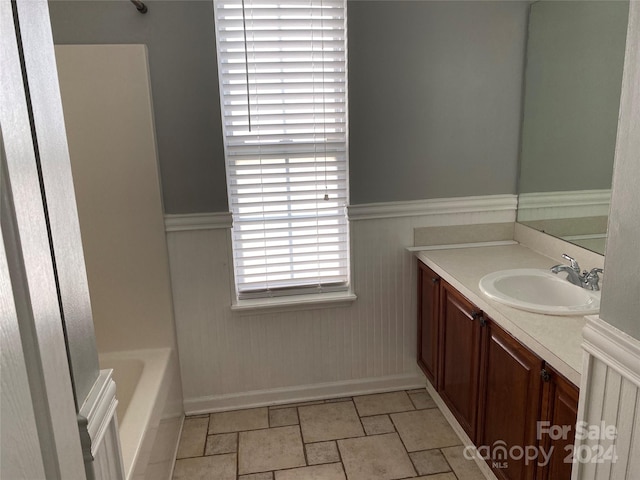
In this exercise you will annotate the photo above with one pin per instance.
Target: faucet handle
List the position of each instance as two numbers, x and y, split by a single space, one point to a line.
572 261
592 280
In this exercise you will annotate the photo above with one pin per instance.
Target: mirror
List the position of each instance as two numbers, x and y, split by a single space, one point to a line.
573 77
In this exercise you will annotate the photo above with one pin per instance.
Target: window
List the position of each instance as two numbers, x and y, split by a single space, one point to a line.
283 90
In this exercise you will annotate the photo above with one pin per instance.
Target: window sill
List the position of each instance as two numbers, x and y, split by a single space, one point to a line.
293 303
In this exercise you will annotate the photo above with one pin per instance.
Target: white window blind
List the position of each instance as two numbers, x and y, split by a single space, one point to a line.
283 88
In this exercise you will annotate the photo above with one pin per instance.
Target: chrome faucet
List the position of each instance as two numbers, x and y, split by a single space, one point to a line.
573 270
589 280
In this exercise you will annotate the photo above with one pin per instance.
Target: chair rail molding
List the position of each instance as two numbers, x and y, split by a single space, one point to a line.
197 221
502 206
572 204
487 204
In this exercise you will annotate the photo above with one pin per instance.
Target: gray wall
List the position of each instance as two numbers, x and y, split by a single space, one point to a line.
184 81
435 98
572 94
435 91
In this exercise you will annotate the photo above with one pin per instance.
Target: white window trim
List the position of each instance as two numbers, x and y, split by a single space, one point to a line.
256 306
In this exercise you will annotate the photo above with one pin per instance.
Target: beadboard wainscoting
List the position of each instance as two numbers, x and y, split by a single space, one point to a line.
232 360
610 397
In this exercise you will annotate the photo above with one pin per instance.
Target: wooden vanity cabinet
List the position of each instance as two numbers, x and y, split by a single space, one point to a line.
509 406
559 408
428 321
497 389
459 356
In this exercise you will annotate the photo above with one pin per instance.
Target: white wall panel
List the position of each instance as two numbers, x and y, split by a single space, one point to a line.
609 395
230 360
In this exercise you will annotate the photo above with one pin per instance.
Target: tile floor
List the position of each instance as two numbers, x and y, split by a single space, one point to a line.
388 436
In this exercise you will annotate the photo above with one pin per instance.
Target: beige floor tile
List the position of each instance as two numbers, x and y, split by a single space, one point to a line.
222 443
193 438
429 462
323 452
437 476
332 471
283 417
329 421
202 468
379 457
239 420
463 468
270 449
424 430
257 476
377 425
383 403
422 400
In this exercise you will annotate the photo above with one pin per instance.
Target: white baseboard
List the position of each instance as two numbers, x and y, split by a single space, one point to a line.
303 393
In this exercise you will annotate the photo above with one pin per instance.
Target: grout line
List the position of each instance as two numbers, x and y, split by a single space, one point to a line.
237 455
340 458
359 420
206 436
304 445
251 430
448 462
288 405
391 413
402 442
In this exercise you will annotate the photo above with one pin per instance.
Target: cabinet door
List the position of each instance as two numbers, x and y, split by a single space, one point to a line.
428 301
459 357
559 409
510 390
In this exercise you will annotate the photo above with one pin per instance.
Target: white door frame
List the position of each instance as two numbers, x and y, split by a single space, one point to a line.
33 294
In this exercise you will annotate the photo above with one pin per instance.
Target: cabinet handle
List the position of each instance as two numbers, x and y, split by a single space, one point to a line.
476 315
435 279
483 322
546 376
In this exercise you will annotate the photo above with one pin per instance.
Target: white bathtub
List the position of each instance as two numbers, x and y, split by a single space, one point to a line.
149 412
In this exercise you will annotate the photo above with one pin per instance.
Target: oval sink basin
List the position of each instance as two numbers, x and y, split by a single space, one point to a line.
539 291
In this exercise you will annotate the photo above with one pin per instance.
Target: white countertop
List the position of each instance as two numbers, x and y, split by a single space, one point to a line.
556 339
